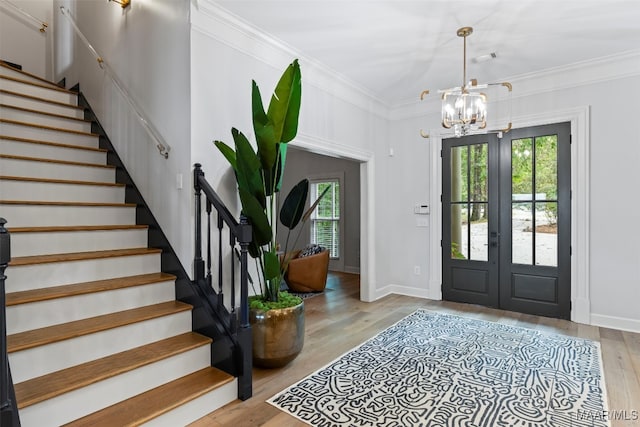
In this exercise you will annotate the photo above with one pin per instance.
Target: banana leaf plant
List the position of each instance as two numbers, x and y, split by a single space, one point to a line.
259 174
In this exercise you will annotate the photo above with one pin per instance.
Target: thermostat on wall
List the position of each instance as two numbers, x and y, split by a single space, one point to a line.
421 209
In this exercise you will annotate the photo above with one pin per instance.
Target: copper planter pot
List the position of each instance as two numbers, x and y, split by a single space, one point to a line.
278 335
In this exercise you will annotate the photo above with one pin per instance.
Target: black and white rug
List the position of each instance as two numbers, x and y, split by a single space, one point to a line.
433 369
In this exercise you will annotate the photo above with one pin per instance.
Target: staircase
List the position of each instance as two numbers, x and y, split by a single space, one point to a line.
95 335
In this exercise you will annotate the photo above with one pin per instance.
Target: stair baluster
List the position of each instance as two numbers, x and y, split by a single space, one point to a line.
8 409
238 327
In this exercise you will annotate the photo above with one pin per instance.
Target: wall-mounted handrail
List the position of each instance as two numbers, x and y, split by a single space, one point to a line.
162 146
40 23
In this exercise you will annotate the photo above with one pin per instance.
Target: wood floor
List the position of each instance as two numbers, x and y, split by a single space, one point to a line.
337 321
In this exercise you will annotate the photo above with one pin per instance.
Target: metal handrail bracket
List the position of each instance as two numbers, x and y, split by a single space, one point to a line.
40 23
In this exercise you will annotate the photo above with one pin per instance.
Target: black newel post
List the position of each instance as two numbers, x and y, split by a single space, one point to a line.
198 262
245 388
8 413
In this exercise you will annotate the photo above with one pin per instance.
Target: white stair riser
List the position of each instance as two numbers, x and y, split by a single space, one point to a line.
48 135
19 148
84 401
38 169
26 317
44 359
44 119
18 75
44 216
57 192
34 104
39 91
58 242
25 277
197 408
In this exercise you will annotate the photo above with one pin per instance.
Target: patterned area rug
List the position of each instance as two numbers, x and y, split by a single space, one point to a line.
434 369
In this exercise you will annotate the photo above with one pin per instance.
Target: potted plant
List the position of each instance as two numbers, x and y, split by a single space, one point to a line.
277 317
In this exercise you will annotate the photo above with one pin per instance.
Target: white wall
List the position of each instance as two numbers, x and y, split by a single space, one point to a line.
147 46
613 257
225 57
21 42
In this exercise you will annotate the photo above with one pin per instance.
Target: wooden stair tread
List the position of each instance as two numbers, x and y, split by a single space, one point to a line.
54 144
44 113
57 129
60 181
56 383
5 65
61 162
153 403
64 228
37 98
48 203
80 256
50 334
56 88
63 291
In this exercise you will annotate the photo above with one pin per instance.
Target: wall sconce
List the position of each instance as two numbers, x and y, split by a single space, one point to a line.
122 3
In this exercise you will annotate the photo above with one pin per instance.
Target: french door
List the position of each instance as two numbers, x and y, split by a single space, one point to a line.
506 206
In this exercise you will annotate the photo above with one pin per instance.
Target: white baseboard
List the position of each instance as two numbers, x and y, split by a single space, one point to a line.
614 322
401 290
351 269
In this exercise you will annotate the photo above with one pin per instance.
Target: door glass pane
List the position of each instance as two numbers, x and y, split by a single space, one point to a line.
478 171
459 236
459 179
547 167
521 233
547 234
479 232
521 169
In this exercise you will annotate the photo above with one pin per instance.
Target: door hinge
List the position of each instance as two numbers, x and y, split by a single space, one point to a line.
441 153
570 139
441 198
570 305
570 250
440 243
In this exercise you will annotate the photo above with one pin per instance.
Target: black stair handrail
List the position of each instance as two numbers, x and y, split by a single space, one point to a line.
237 328
8 408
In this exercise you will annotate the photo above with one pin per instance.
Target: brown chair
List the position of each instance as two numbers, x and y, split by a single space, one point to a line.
309 273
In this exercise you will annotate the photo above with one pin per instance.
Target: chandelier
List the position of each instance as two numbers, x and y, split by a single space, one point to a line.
464 108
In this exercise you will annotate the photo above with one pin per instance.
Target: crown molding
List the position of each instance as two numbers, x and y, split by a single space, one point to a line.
584 73
211 19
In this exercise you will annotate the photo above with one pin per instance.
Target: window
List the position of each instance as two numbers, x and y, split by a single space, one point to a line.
325 220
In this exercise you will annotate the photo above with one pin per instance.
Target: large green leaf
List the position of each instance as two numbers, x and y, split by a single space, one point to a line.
293 205
284 107
228 153
273 177
248 168
271 265
279 171
255 251
252 209
263 129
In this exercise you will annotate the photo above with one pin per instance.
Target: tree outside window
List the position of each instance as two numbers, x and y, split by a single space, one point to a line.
325 220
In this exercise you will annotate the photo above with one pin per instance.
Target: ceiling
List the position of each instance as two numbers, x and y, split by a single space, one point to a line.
393 49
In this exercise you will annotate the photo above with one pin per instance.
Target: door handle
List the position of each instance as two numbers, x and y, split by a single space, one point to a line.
495 239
